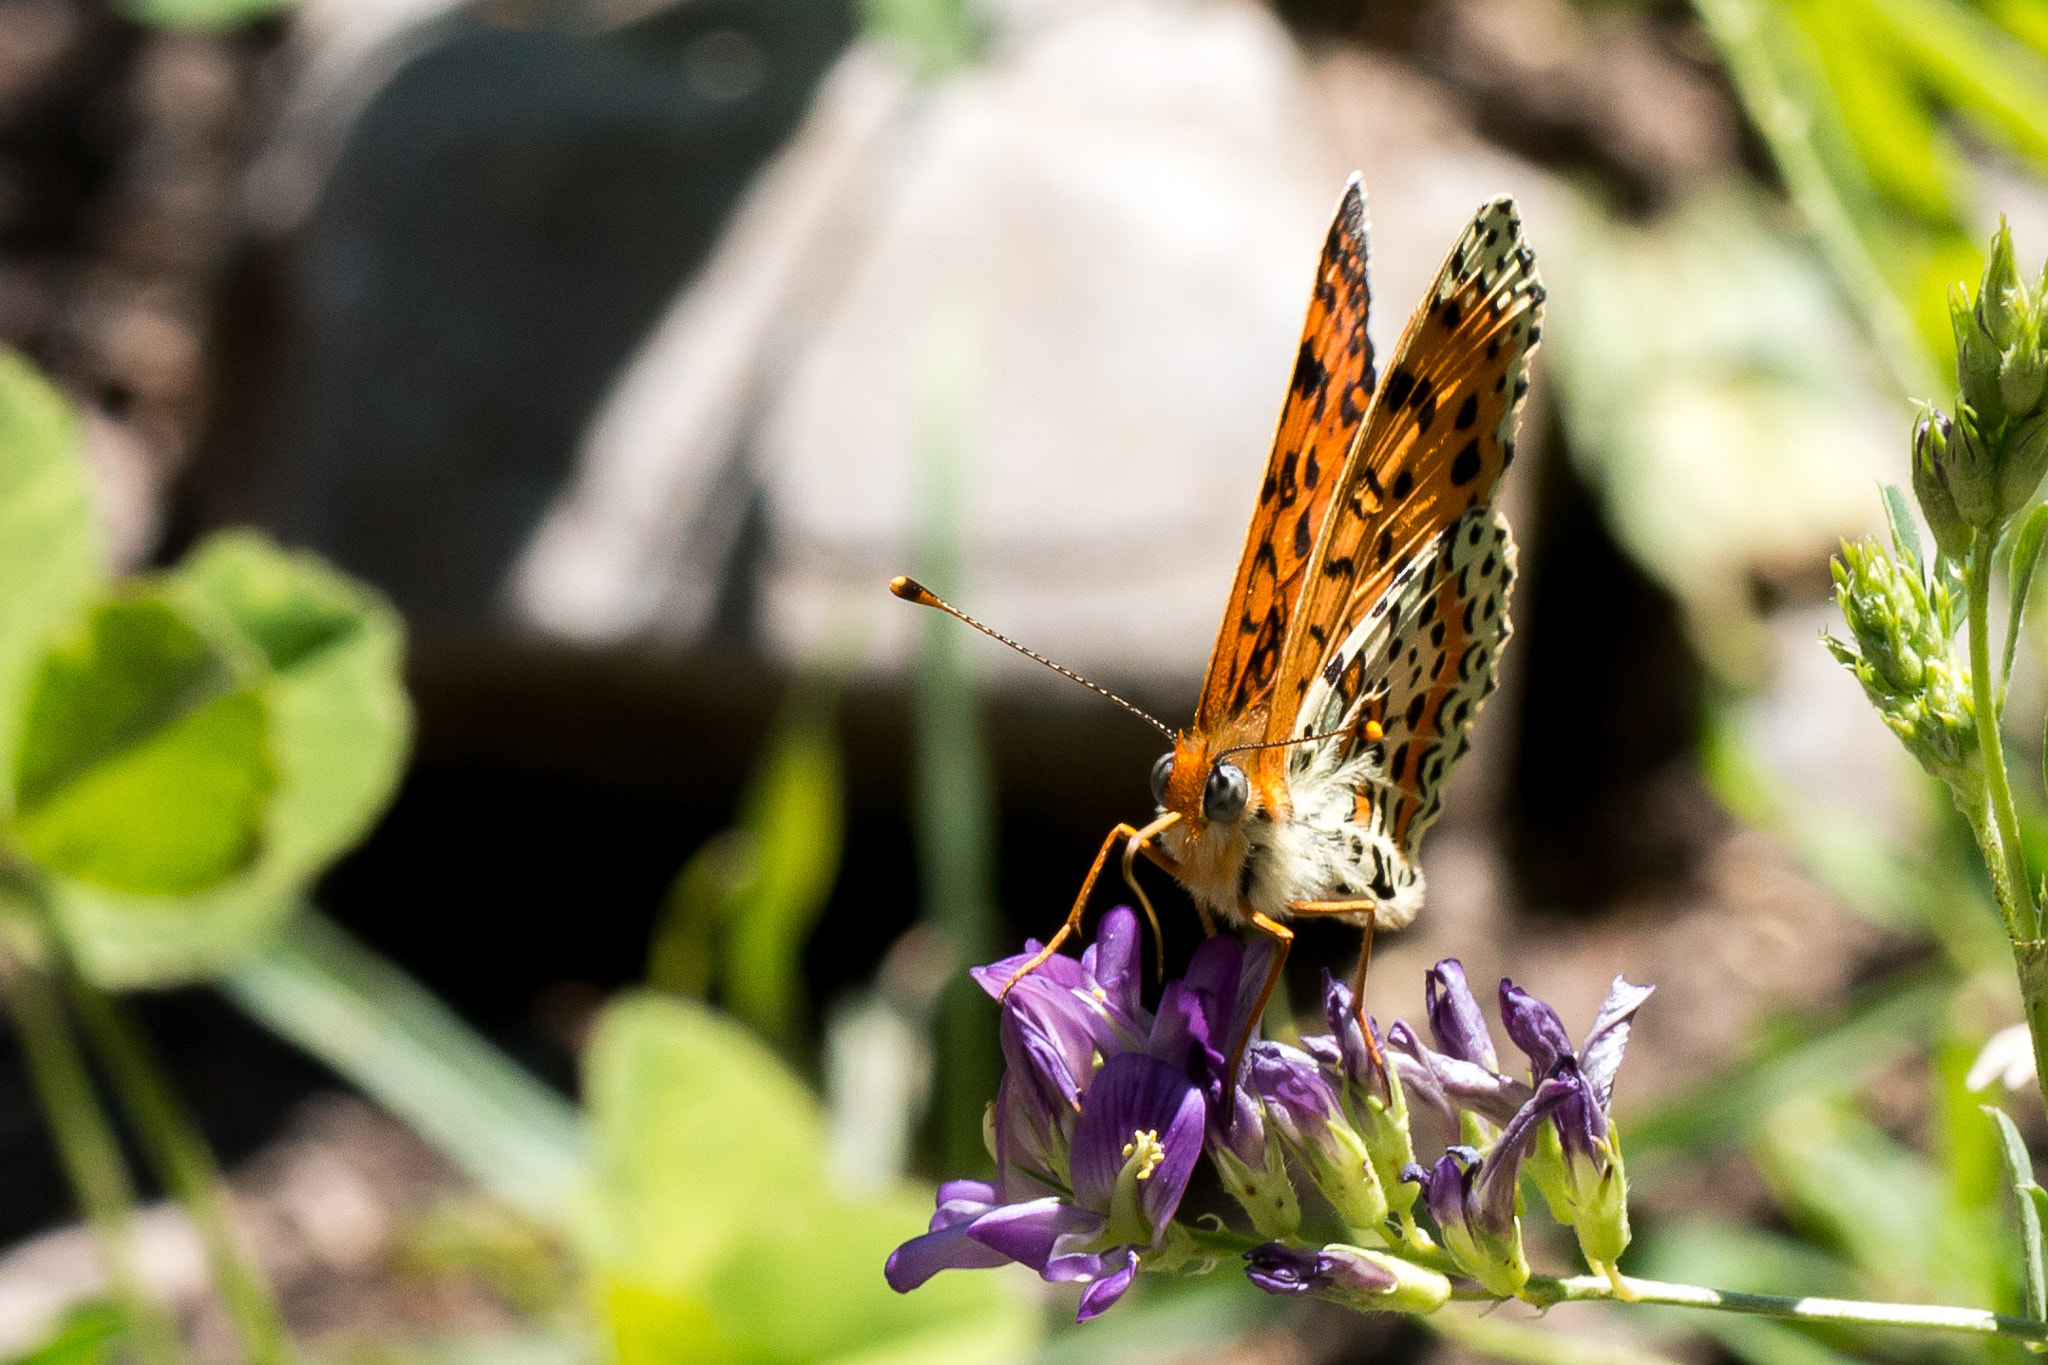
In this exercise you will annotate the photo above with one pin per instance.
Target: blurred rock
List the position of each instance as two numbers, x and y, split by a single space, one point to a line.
1104 235
323 1209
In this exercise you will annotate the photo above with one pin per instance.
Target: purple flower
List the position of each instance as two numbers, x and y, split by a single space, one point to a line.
1202 1018
1472 1198
1372 1091
1091 1161
1462 1083
1135 1144
1577 1159
1102 986
1454 1017
1348 1275
1304 1107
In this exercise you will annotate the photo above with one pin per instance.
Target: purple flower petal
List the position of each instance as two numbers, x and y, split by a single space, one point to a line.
1251 979
1534 1027
951 1248
1048 1042
1114 962
1446 1185
1449 1084
1029 1232
1454 1016
1495 1193
1601 1056
1354 1056
1103 1292
965 1194
1058 969
948 1245
1136 1093
1289 1081
1281 1269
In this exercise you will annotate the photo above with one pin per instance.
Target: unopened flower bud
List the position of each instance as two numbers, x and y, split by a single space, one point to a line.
1303 1106
2025 461
2023 377
1978 355
1901 650
1931 432
1986 329
1970 468
1576 1163
1253 1171
1371 1091
1349 1275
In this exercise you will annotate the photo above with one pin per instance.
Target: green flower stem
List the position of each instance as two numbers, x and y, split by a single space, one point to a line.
184 1163
2005 857
1545 1292
2030 960
87 1148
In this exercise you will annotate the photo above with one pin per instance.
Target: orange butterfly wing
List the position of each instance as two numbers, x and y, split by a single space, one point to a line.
1326 401
1437 437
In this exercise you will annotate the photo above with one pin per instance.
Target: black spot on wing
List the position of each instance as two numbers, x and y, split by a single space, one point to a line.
1465 467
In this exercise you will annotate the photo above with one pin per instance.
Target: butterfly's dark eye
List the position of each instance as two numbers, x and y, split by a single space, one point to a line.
1225 794
1162 773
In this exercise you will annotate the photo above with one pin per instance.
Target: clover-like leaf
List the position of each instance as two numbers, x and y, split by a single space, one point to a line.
144 762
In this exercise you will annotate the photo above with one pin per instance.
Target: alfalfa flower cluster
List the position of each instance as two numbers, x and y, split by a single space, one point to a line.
1106 1109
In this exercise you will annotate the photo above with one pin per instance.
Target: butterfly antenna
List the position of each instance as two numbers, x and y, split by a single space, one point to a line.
910 590
1371 732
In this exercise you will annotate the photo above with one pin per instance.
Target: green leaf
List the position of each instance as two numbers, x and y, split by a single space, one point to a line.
2000 85
2027 1196
793 817
49 544
715 1236
1852 1186
88 1335
144 762
1905 532
2026 556
739 913
327 657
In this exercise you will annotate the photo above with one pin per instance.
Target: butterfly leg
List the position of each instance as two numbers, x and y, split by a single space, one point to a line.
1370 910
1283 940
1165 863
1141 842
1073 924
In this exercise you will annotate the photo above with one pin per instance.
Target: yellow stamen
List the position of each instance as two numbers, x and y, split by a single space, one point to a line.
1147 1151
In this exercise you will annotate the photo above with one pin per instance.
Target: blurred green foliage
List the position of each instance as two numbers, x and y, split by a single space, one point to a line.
953 791
738 915
1716 405
1867 107
144 763
188 749
50 551
201 16
88 1335
714 1235
937 34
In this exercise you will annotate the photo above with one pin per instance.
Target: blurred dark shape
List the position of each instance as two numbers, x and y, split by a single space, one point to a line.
120 152
511 214
1629 95
1604 799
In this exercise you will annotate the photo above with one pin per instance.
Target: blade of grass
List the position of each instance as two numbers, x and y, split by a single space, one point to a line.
2027 1193
393 1039
953 791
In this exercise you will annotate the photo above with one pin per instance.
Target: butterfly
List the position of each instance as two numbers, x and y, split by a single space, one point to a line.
1365 626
